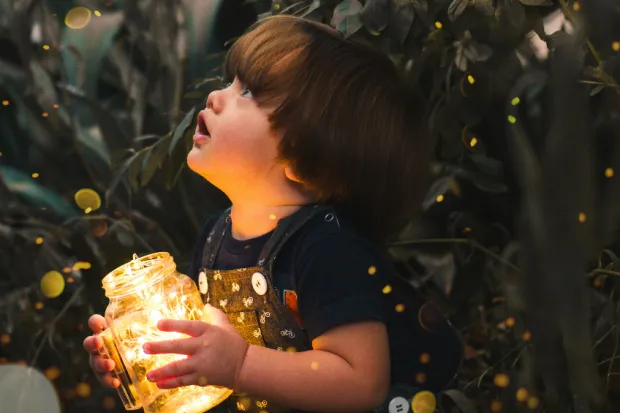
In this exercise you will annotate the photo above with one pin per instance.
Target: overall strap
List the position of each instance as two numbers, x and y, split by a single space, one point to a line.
286 228
212 245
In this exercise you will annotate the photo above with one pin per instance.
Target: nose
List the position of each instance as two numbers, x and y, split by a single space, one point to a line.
214 101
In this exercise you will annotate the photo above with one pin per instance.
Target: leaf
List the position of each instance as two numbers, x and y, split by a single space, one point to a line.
135 167
375 15
460 60
439 187
200 20
154 159
38 196
456 8
346 18
477 52
537 2
179 131
460 400
401 21
314 6
612 256
93 43
514 12
118 175
484 6
114 136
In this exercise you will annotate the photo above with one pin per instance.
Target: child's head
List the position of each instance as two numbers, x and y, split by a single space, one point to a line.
332 115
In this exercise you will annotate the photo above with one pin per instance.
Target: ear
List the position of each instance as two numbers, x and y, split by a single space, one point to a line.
288 171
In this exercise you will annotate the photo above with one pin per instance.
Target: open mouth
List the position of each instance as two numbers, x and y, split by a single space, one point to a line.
202 132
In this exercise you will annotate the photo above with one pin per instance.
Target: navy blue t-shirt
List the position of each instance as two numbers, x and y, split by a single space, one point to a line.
329 278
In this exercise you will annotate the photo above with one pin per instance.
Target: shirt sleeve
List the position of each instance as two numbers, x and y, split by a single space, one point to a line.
338 282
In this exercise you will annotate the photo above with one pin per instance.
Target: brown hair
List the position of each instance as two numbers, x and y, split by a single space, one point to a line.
352 130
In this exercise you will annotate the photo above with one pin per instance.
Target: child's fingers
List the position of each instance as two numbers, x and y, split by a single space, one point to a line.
101 365
92 344
97 323
109 381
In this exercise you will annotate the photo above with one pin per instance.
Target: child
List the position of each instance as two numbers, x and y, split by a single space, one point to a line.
317 143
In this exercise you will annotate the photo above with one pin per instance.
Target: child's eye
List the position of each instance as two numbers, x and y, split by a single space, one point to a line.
246 93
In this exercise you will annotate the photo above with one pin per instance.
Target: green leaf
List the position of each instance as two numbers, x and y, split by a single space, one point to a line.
200 19
154 159
375 15
181 128
135 167
460 400
456 8
514 12
93 43
119 173
346 18
30 191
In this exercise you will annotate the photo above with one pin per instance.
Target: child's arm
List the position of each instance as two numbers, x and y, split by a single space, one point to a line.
348 370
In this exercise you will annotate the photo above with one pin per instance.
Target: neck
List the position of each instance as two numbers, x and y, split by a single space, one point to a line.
256 213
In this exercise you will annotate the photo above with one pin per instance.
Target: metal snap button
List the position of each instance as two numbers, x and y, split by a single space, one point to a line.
203 285
398 405
259 283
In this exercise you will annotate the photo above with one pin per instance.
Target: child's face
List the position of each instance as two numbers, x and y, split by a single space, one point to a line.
233 145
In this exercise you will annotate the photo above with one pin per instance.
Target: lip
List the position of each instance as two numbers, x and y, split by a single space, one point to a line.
201 138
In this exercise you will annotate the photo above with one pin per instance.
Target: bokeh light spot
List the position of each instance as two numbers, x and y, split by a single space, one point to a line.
35 175
425 358
81 265
501 380
372 270
39 240
471 79
515 101
52 373
439 198
38 305
387 289
52 284
438 25
496 406
78 18
399 308
5 103
609 173
582 217
83 390
522 394
533 402
5 339
88 198
109 403
420 378
512 119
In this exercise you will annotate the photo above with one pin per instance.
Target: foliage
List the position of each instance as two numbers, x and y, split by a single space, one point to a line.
518 240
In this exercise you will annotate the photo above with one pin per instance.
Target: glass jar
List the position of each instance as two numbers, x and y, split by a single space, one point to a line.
142 292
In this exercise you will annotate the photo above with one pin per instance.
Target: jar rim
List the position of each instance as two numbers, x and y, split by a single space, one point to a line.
122 281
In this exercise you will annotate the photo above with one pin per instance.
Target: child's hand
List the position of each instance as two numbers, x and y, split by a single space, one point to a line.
215 351
101 366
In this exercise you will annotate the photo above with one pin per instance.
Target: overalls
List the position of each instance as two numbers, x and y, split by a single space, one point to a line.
251 302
